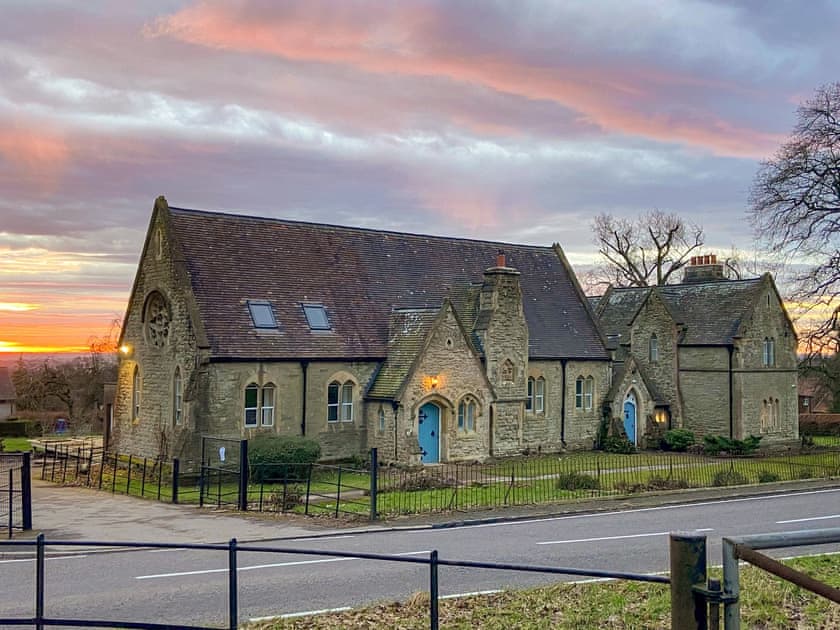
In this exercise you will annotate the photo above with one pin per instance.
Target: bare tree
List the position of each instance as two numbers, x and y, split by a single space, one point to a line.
795 210
645 251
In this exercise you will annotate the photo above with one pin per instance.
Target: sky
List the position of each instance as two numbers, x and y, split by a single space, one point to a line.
516 121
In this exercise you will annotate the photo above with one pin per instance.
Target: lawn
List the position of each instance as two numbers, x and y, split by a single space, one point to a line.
15 444
766 602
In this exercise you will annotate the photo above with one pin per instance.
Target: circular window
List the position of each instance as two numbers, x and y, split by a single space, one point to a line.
157 320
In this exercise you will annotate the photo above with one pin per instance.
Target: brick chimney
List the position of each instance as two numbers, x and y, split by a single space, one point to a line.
703 268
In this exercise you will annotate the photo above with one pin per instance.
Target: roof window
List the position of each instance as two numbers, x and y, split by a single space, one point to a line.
262 314
316 317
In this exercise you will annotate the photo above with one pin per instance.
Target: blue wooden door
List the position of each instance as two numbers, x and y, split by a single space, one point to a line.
630 420
428 432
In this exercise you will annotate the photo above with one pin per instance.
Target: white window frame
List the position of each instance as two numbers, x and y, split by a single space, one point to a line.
579 392
653 349
347 402
251 414
467 411
381 420
267 410
539 395
769 354
529 401
588 393
333 407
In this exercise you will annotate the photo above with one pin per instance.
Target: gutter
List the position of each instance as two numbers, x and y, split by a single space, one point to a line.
304 367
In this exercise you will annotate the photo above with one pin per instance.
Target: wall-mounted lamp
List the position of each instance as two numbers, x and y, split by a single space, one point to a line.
433 381
125 350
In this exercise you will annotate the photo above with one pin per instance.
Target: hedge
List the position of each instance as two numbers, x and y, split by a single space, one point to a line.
20 428
278 458
819 424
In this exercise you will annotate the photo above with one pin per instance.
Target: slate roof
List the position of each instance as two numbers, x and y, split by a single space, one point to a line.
408 330
360 276
7 387
710 312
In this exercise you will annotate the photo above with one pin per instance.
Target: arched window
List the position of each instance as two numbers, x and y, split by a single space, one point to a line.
529 402
539 395
259 405
381 420
340 402
467 410
252 401
267 405
177 398
653 349
588 392
136 386
769 356
579 392
156 320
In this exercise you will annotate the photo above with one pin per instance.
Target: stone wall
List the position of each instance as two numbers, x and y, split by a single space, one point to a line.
460 376
153 432
654 319
582 424
704 383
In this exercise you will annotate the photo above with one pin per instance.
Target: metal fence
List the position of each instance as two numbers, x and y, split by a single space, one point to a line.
40 618
15 492
744 548
375 491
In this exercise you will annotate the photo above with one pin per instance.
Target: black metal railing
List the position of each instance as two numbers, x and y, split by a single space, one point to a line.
15 492
40 618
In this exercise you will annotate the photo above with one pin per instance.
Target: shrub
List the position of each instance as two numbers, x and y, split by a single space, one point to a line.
765 476
279 458
715 444
728 478
577 481
652 484
819 424
677 440
20 428
422 480
281 501
616 444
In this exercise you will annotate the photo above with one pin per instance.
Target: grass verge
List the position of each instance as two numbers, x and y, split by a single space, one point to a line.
766 602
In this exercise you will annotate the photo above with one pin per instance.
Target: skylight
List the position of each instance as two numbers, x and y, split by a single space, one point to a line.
316 317
262 314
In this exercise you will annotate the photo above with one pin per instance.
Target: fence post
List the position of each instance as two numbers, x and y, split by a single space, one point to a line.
176 468
201 486
243 475
128 479
338 493
11 500
308 487
688 569
374 482
39 583
233 589
731 587
433 590
26 491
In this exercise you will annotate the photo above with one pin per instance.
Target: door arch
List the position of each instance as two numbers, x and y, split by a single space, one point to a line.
630 418
428 433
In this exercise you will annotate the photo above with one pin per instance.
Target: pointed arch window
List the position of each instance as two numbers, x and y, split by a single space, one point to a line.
340 402
769 354
653 349
177 398
508 371
260 404
136 387
536 395
467 411
584 392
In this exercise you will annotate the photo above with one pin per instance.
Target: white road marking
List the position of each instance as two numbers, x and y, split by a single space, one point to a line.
318 538
583 540
305 613
273 565
678 506
805 520
47 559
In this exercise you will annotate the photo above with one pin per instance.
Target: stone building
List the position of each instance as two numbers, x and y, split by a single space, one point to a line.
712 355
8 395
429 348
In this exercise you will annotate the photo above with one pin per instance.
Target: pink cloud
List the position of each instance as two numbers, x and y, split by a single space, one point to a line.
412 41
32 152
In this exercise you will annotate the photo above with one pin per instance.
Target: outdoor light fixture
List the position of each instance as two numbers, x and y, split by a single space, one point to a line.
125 350
433 381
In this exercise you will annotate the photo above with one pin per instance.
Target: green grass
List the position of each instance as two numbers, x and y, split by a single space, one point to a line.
766 602
826 440
12 444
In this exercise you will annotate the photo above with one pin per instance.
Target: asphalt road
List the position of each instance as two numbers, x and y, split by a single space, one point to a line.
190 586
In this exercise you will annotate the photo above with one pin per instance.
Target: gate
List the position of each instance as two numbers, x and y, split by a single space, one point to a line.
15 492
224 472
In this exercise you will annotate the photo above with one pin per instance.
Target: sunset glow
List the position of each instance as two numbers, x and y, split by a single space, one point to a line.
512 121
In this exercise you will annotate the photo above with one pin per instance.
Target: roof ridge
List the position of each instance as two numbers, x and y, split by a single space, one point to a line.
351 228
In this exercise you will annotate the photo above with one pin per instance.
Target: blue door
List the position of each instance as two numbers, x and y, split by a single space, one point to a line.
630 420
428 432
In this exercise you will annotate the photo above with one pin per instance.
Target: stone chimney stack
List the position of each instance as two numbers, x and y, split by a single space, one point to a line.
704 268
